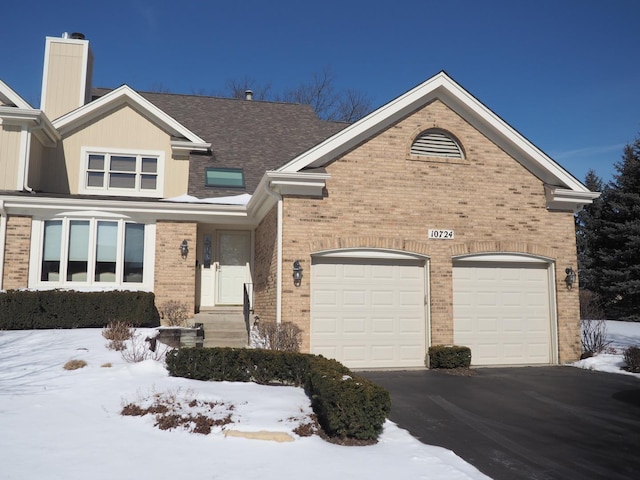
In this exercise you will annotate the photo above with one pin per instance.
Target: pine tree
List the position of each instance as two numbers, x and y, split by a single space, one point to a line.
615 257
587 227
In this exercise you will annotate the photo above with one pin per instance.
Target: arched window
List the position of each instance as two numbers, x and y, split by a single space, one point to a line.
436 143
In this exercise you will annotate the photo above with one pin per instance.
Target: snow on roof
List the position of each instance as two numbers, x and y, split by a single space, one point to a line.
231 200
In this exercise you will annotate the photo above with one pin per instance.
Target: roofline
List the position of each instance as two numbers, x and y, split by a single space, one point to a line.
38 119
442 87
126 95
11 96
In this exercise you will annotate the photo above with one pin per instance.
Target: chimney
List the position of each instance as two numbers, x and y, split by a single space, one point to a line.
248 94
66 77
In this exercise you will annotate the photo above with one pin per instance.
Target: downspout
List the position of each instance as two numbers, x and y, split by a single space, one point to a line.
25 150
278 253
3 234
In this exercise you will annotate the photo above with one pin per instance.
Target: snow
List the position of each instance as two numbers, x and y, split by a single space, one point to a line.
66 424
242 199
621 335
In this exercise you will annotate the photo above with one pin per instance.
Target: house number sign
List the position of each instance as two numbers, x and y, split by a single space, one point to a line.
441 234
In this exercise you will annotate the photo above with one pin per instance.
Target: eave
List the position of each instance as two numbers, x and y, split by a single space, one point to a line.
563 199
33 119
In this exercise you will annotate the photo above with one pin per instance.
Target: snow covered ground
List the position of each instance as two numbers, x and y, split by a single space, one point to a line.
60 424
66 425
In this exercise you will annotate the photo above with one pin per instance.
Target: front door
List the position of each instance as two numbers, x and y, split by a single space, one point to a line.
232 267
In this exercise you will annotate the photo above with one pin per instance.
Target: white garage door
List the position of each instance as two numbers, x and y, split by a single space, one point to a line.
502 313
368 313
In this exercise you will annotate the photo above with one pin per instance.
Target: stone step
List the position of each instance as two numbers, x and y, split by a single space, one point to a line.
223 327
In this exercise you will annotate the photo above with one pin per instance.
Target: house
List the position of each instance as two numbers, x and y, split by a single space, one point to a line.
430 221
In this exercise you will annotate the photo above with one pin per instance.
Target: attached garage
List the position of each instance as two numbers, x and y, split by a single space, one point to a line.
502 310
369 312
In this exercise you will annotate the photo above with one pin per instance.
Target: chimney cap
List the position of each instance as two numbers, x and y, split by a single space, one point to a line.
77 36
248 94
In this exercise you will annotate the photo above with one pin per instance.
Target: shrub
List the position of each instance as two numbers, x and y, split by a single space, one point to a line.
594 337
174 314
283 336
591 305
448 356
74 364
347 406
632 359
117 332
26 309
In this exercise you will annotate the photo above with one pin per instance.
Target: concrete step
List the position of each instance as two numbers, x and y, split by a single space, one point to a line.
223 327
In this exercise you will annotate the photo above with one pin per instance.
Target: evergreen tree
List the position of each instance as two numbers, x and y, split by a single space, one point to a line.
587 228
615 253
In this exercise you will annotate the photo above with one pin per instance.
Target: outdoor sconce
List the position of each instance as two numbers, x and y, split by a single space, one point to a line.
184 248
570 279
297 273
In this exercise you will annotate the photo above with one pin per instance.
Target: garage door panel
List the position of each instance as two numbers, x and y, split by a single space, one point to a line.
503 313
379 322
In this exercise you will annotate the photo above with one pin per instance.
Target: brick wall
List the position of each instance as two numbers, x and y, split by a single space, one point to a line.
174 275
16 255
265 260
381 197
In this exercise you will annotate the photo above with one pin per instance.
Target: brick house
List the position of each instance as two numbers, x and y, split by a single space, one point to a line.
430 221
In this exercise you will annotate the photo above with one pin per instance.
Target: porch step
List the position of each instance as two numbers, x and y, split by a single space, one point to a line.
223 327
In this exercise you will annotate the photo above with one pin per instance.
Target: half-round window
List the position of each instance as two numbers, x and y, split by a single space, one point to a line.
436 143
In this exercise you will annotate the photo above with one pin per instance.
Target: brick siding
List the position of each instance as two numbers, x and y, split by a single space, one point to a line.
16 254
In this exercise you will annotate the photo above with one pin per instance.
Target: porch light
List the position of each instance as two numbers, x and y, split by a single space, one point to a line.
184 248
570 279
297 273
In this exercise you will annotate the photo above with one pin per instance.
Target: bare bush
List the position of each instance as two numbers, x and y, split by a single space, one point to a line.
117 332
138 349
174 314
632 359
590 305
283 336
594 337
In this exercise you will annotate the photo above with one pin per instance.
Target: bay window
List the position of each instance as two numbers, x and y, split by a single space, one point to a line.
92 252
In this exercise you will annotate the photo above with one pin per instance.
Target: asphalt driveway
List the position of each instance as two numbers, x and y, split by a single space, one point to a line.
535 423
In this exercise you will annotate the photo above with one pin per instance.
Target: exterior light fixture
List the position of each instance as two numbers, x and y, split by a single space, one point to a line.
184 248
570 279
297 273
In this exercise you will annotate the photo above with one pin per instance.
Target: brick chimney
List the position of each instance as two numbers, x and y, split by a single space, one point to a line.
66 77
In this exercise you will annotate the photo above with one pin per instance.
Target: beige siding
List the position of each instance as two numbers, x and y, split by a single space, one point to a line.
36 157
379 197
9 156
65 79
122 129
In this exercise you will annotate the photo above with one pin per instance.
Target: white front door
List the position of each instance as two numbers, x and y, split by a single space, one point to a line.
232 266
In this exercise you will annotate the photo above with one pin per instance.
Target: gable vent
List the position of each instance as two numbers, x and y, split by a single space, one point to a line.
435 143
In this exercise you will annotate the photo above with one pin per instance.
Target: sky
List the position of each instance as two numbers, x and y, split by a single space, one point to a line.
564 73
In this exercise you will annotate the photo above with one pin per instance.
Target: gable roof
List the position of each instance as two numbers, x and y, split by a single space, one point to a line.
185 139
563 187
8 97
253 135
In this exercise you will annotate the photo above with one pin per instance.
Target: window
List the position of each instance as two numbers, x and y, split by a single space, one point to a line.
436 143
224 177
122 173
92 252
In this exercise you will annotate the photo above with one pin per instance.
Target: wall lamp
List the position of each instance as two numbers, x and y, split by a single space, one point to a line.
297 273
570 279
184 248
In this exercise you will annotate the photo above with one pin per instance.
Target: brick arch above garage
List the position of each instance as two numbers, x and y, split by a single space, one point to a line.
370 243
533 249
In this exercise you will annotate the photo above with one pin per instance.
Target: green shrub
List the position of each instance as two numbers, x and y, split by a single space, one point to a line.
347 406
27 309
449 356
632 359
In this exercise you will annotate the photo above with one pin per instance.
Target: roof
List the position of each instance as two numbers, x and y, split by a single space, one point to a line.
9 97
253 135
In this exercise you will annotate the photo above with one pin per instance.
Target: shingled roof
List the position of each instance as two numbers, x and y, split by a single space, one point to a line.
253 135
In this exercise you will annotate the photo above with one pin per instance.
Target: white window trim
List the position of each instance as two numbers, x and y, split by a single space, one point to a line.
121 192
35 264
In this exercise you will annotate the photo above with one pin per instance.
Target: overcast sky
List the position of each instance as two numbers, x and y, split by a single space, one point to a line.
564 73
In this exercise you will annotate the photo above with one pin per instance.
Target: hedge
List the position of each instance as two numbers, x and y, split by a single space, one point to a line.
347 406
448 356
42 309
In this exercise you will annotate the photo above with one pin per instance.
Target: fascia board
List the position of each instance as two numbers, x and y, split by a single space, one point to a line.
39 206
442 87
35 119
9 96
563 199
125 95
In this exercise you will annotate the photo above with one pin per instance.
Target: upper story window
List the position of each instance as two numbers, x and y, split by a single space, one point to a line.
122 173
224 177
436 143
